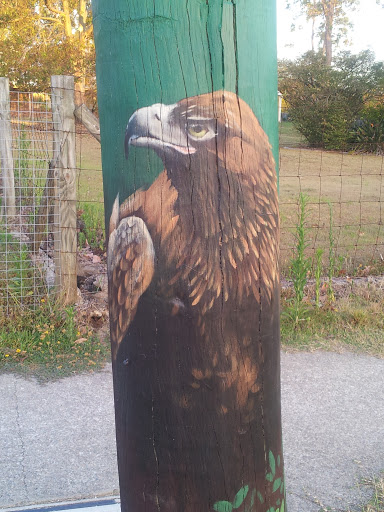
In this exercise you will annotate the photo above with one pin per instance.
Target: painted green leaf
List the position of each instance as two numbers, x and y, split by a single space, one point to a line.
276 484
278 502
260 496
272 509
282 487
272 463
282 508
269 477
253 495
278 460
223 506
240 496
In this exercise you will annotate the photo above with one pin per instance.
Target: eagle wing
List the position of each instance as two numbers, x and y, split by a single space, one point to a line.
131 257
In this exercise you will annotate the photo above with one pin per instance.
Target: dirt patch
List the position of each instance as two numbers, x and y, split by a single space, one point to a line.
92 282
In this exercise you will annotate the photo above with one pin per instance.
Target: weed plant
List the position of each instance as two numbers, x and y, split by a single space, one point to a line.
300 264
355 320
318 272
93 233
331 257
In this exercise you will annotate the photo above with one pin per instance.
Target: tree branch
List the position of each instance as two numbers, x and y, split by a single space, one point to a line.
47 18
48 5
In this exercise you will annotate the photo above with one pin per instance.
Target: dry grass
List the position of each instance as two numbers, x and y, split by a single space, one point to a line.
354 322
90 179
377 502
353 183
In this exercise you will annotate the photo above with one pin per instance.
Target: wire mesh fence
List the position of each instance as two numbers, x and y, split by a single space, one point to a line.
29 221
90 204
345 191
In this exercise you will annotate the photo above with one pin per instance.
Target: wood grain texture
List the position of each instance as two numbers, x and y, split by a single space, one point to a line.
192 254
89 120
64 162
8 206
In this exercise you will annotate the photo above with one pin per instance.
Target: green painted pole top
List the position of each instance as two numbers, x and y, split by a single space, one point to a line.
160 51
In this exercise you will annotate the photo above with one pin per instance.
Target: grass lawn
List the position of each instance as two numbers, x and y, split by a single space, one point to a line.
289 136
353 183
353 322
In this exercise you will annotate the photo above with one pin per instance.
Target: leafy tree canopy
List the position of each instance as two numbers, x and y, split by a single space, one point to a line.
331 17
40 38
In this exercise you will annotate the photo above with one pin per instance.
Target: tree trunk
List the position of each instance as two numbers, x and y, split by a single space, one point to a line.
188 100
329 13
67 19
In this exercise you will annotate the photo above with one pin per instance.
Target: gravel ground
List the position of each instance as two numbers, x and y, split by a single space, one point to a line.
57 439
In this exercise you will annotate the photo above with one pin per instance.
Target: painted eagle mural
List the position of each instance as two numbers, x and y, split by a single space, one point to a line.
192 266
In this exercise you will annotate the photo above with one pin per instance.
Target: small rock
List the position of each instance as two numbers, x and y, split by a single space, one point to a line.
85 269
79 299
80 341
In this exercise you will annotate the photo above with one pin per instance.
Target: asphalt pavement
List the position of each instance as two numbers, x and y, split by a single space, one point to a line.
57 439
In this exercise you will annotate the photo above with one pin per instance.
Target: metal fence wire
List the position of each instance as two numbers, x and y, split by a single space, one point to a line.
344 217
29 220
344 190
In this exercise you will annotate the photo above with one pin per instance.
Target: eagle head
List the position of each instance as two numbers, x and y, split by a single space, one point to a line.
218 126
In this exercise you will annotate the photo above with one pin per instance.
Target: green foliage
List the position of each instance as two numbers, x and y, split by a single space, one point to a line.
91 216
300 264
48 339
355 321
227 506
245 500
332 20
331 256
324 101
17 283
40 39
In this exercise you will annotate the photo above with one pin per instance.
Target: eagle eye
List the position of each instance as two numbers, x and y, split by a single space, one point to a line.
197 130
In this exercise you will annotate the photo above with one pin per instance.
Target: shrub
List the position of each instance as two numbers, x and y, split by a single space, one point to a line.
368 134
324 101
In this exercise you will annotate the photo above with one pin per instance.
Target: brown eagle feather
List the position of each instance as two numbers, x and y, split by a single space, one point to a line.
212 216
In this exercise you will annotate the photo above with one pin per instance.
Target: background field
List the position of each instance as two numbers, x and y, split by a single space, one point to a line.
349 183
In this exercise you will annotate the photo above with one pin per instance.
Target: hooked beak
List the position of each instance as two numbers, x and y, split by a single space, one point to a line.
154 127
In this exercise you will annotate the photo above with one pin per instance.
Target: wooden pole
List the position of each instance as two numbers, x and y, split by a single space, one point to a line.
8 206
187 97
64 162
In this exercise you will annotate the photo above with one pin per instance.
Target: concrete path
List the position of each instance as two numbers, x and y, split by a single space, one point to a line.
57 440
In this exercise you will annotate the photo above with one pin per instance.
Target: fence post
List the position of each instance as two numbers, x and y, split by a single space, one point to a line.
8 206
64 162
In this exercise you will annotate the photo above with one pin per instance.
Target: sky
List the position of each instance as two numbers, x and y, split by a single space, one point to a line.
367 31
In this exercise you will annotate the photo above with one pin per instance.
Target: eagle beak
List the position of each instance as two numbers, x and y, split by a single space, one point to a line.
153 127
136 128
